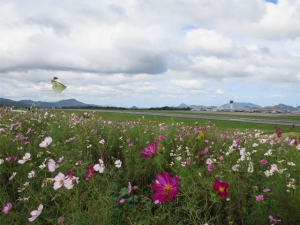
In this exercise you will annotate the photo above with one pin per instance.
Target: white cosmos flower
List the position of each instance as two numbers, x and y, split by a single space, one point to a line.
31 174
100 166
52 166
42 166
118 163
26 158
47 141
268 173
69 182
58 181
13 175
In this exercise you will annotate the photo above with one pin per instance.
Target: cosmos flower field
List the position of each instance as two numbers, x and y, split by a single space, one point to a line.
59 168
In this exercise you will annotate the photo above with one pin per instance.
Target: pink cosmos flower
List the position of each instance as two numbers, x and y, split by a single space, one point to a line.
273 220
266 190
7 208
35 213
89 172
221 187
263 161
46 142
210 167
259 198
166 187
61 219
150 151
205 151
122 201
70 139
160 137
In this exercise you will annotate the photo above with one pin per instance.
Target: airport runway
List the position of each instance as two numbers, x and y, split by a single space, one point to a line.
246 120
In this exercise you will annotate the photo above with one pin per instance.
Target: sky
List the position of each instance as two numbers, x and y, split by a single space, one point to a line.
151 53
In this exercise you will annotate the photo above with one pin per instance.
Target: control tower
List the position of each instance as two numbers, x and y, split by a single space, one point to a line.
231 104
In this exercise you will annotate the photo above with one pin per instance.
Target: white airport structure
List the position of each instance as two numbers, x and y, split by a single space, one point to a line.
231 104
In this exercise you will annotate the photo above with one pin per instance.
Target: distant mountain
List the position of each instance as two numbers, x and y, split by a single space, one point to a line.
40 104
182 105
237 105
283 106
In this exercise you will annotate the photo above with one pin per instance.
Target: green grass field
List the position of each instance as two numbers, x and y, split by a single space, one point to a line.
223 125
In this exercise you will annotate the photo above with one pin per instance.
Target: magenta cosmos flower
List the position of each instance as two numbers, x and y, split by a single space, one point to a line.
165 186
221 187
150 151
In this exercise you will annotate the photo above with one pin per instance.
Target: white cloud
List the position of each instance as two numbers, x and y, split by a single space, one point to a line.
123 52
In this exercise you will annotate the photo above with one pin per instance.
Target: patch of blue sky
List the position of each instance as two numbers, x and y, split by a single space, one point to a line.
189 27
272 1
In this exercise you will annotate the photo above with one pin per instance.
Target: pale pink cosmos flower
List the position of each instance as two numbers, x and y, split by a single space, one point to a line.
46 142
26 158
60 159
35 213
129 188
7 208
274 167
122 201
266 190
58 181
235 167
12 176
52 165
70 139
209 161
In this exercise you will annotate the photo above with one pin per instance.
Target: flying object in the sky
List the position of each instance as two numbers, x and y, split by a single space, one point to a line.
57 85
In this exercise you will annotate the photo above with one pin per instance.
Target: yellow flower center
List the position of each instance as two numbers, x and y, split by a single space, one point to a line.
47 143
221 189
152 152
61 181
167 189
